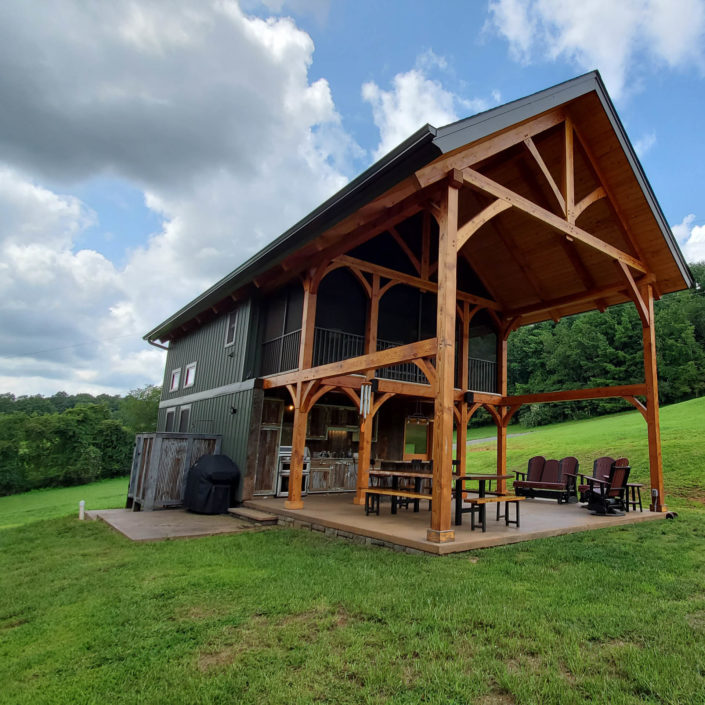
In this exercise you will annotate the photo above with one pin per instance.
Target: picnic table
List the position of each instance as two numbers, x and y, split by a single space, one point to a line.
479 504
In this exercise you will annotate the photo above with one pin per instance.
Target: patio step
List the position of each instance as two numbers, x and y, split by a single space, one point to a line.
255 515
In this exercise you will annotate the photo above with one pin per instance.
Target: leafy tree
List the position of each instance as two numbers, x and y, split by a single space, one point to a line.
138 410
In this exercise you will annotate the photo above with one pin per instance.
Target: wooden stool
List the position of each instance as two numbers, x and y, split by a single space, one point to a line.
635 489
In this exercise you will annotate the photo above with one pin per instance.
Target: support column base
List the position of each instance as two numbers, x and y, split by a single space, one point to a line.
297 504
440 536
658 508
359 500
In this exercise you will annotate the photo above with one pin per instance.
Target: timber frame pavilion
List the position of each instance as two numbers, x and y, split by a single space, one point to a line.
546 202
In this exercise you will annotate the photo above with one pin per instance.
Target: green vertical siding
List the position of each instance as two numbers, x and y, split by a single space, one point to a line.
217 365
214 416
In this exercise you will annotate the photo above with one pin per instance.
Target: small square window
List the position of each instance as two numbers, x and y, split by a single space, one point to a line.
230 330
175 379
190 375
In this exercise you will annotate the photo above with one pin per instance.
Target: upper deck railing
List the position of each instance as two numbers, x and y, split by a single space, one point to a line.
281 354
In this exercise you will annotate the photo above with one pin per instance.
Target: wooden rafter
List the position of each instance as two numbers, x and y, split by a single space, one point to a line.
568 171
592 295
592 197
474 178
399 277
477 221
634 293
533 150
407 250
489 147
611 200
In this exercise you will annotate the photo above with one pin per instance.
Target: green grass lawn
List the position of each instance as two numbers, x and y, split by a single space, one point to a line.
287 616
19 509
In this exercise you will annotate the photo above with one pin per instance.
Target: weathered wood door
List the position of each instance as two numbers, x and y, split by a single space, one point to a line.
269 438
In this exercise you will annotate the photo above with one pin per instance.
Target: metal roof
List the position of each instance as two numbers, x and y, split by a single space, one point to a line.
424 146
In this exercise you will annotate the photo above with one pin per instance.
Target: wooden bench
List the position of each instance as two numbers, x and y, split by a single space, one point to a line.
372 495
478 505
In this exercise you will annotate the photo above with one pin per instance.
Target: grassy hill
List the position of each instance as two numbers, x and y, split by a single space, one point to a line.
294 617
682 438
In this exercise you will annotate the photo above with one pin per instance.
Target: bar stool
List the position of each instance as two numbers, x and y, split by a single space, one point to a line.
635 498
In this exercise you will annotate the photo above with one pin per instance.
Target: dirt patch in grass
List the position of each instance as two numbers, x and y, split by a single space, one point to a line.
262 632
14 624
696 620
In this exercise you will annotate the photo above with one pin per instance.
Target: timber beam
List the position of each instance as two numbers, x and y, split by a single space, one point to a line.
591 295
489 147
383 358
487 185
624 391
400 277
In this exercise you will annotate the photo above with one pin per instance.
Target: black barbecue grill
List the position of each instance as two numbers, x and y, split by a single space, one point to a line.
211 485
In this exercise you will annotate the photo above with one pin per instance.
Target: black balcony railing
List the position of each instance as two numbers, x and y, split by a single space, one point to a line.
404 372
334 345
282 354
483 375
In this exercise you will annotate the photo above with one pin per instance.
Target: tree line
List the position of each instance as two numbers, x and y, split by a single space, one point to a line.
67 439
604 349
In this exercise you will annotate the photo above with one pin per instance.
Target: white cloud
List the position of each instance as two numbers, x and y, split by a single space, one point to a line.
615 37
414 100
691 238
209 112
643 144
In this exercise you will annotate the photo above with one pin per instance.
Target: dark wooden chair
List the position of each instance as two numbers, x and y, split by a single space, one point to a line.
608 495
548 478
600 470
533 472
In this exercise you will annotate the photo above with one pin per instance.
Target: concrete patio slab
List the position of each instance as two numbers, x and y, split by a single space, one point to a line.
540 518
170 524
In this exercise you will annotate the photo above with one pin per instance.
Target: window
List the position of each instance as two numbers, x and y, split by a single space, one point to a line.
230 330
190 375
184 415
170 417
175 379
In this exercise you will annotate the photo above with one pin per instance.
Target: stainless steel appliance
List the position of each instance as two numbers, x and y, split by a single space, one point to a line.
284 469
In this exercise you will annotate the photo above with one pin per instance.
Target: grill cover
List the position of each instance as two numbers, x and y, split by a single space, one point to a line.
211 485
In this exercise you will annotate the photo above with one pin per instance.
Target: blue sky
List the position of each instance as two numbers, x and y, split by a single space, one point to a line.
147 149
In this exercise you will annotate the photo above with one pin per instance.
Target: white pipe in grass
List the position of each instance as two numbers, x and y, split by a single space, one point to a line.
82 509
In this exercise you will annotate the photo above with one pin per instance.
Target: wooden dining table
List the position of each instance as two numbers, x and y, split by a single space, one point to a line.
482 479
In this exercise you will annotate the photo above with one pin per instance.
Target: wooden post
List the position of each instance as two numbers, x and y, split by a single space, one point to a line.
462 434
298 443
440 531
364 452
652 408
502 337
308 325
364 448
